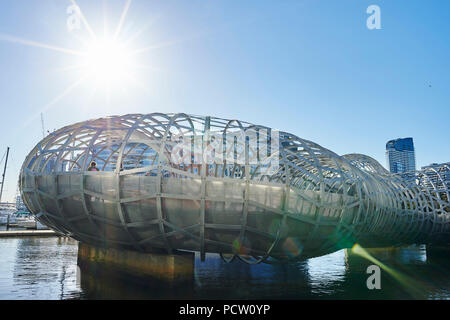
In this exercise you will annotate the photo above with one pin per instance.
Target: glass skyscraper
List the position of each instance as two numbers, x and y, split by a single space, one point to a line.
400 155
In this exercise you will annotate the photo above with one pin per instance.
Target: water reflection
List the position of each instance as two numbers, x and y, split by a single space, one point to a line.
45 268
327 273
38 268
238 280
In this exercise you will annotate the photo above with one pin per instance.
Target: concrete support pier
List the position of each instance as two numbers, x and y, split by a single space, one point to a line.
147 268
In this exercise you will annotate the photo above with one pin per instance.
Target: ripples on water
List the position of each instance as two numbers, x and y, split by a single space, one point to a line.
38 268
45 268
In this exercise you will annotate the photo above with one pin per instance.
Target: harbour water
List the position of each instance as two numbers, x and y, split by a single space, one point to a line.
46 268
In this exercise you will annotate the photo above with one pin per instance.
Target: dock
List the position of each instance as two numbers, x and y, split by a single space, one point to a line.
28 233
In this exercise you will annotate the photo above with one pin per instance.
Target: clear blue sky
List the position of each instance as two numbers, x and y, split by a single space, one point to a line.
310 67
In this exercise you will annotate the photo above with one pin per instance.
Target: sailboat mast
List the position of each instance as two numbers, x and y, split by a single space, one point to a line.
4 173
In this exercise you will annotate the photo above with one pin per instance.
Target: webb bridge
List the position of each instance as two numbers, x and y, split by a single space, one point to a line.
305 201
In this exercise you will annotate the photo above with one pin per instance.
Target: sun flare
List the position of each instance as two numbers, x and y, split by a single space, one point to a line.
105 66
107 62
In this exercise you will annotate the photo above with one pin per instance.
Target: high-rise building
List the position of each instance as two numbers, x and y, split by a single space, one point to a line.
400 155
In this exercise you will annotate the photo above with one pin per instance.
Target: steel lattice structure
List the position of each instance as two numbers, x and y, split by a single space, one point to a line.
315 202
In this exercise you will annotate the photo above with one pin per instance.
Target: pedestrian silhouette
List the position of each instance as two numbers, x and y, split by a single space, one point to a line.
93 166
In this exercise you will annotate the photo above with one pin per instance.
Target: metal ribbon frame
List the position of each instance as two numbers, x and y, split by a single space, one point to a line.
352 197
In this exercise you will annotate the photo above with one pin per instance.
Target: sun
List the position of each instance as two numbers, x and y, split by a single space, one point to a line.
107 65
107 62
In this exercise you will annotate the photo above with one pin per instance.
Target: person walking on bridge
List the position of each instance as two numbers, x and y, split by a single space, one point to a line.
93 166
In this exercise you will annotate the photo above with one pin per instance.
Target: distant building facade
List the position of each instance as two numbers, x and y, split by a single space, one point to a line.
438 175
400 155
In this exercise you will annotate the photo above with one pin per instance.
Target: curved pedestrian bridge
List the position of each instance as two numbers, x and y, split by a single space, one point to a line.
172 182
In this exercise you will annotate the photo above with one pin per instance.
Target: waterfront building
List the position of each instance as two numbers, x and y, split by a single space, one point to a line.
400 155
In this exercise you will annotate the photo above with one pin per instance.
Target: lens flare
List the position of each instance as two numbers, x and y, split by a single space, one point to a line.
414 287
292 247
